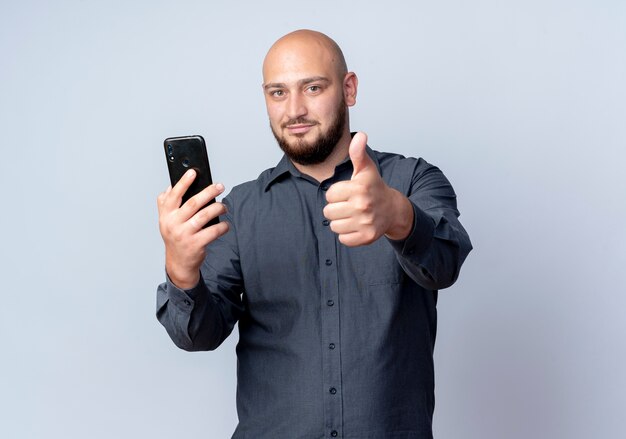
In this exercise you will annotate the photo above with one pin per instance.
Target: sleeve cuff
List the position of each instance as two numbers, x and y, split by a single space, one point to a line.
419 238
185 299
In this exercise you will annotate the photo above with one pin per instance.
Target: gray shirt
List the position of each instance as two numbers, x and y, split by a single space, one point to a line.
333 341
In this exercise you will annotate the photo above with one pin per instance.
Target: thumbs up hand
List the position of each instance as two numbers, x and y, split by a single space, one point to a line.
364 208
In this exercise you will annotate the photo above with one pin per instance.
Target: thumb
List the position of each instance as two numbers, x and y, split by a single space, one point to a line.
360 160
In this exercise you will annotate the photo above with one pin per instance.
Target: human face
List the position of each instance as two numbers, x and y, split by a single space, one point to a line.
305 102
317 150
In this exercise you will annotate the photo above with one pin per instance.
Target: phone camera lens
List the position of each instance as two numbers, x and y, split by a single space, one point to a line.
169 148
186 163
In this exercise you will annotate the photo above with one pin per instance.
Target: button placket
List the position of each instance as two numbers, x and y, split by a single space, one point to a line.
330 321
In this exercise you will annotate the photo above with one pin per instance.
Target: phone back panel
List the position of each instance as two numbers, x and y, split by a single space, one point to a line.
184 153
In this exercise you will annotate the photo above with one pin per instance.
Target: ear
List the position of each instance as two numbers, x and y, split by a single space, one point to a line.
350 85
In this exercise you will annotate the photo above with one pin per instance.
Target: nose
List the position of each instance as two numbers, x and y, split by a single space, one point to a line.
296 107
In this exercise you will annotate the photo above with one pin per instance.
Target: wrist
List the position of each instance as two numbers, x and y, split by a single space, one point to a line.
401 217
180 277
184 283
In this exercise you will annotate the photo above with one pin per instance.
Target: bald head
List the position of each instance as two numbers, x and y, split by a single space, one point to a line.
308 90
301 45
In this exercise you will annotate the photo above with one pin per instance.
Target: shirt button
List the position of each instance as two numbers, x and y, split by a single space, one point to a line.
331 346
334 433
330 303
332 390
324 187
187 302
326 222
329 262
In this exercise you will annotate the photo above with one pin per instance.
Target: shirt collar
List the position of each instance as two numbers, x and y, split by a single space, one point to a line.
283 167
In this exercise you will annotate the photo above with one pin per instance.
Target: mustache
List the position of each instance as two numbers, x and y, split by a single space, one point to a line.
299 121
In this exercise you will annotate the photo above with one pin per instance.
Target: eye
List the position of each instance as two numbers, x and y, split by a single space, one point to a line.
277 93
314 88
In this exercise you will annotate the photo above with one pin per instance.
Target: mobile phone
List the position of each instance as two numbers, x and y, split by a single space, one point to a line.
184 153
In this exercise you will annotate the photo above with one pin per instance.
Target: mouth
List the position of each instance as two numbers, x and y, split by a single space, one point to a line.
299 129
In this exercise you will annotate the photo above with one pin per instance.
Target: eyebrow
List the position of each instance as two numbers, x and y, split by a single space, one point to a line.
301 82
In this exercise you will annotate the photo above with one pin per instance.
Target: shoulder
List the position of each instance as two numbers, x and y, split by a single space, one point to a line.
250 190
398 168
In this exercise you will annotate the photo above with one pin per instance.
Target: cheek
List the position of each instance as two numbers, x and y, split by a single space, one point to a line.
274 113
328 109
328 116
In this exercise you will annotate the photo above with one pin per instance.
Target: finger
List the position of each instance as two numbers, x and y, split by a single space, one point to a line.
162 197
339 210
175 194
343 226
358 155
198 201
203 216
339 191
353 239
213 232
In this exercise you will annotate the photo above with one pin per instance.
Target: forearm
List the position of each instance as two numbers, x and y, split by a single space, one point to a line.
436 246
193 318
434 251
197 311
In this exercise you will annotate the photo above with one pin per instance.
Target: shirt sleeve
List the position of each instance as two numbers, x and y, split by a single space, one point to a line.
201 318
438 244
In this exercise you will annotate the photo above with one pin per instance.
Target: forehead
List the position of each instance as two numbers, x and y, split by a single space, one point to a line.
291 61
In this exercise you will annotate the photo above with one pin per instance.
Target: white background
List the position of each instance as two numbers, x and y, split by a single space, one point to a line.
521 104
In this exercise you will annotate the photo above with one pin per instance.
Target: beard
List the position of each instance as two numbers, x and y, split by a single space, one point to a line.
317 150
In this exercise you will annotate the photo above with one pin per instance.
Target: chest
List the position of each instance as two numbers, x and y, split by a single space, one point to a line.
287 245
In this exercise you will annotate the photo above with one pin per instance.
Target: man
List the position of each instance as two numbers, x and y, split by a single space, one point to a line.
330 263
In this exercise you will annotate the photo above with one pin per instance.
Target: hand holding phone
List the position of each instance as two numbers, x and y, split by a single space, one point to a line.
187 209
184 153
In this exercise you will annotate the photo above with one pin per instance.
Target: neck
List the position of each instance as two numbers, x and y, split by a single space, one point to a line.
326 169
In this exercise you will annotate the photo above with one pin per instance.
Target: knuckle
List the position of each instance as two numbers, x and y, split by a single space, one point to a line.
221 208
368 219
199 216
176 238
192 203
215 232
177 234
165 225
363 204
360 189
204 215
